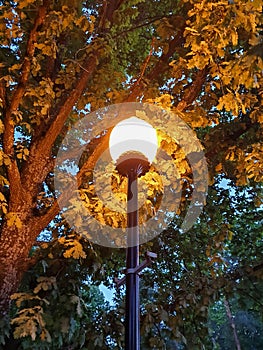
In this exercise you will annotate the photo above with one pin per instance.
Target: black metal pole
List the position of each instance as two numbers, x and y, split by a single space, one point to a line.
132 321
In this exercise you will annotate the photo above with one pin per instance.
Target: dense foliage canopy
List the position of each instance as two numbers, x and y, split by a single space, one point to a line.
62 60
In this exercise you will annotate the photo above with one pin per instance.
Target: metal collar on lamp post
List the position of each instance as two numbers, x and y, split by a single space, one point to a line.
133 145
132 161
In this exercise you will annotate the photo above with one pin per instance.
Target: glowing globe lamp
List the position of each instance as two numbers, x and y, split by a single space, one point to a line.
133 144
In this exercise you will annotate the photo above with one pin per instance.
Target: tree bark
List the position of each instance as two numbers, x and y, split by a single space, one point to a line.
232 324
15 246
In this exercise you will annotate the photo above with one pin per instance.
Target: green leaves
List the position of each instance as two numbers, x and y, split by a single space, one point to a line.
199 59
60 309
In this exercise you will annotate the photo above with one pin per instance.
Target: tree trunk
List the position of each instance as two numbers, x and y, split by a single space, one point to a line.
15 246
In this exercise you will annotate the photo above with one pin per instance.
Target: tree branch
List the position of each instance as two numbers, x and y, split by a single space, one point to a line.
109 7
141 25
54 130
52 133
42 222
20 90
137 82
160 67
232 323
41 150
8 138
39 223
193 90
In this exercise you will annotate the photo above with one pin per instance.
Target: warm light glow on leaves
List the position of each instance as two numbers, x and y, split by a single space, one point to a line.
62 60
73 247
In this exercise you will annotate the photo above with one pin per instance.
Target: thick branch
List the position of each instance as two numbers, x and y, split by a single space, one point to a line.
39 223
162 64
41 151
109 7
8 137
54 130
193 90
20 90
229 135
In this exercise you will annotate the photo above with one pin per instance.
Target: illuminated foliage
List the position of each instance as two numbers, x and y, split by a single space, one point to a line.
59 61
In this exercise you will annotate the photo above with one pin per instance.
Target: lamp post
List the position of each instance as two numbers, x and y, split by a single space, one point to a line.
133 145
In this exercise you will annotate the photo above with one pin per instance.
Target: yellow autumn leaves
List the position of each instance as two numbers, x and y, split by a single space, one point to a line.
73 247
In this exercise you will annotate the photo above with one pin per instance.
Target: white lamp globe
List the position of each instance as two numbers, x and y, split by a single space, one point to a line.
133 135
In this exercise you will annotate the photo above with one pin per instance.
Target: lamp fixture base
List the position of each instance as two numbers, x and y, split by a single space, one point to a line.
132 163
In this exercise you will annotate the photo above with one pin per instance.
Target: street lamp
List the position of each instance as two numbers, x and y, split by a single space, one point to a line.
133 145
